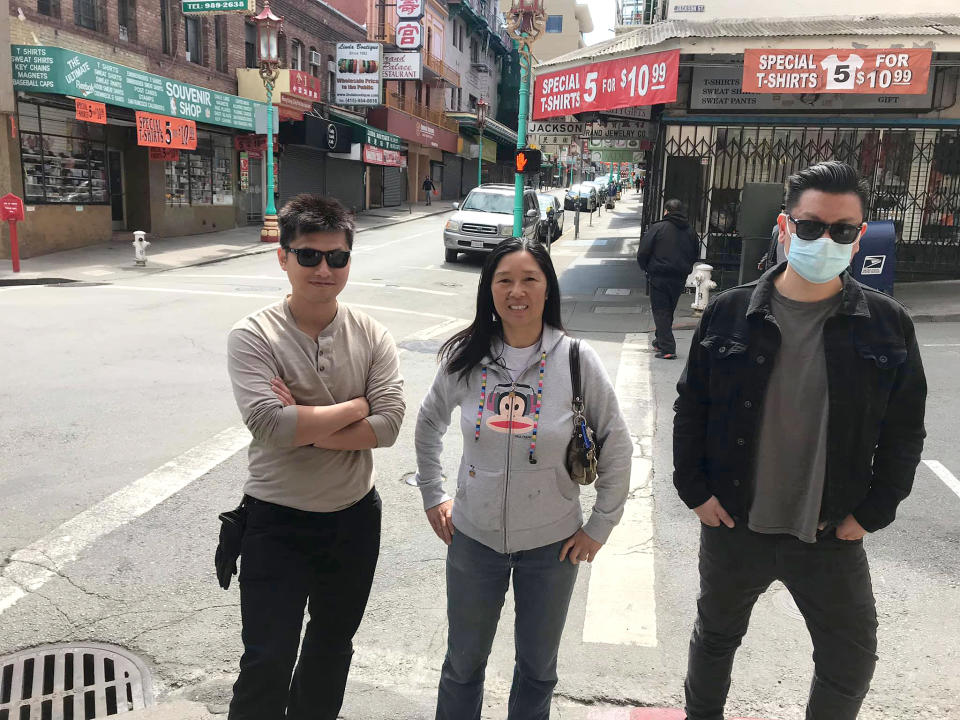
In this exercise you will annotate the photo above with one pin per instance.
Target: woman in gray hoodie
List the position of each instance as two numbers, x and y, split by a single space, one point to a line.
516 512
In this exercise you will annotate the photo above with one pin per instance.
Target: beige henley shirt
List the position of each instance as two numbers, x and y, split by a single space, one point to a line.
354 356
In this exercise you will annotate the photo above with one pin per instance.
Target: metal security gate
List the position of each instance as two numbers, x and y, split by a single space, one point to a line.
345 181
913 174
392 187
302 170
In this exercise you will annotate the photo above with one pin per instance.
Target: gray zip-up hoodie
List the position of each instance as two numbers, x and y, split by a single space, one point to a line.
504 500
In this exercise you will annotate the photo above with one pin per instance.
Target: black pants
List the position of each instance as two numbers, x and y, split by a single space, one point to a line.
290 558
665 292
830 582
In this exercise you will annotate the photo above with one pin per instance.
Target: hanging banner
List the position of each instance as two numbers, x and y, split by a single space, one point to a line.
625 82
379 156
166 132
89 111
248 142
244 171
358 74
305 85
409 9
409 35
164 154
859 71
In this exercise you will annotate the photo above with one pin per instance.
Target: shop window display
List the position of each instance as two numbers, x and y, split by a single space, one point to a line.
203 176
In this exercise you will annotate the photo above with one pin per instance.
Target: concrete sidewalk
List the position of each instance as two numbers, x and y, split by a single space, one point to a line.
113 261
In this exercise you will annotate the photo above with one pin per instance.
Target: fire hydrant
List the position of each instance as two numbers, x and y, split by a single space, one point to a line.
703 285
140 245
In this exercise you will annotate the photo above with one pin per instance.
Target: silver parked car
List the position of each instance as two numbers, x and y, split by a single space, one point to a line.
551 217
486 218
583 193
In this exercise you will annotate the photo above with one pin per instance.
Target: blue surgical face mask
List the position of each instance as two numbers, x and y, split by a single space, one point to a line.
818 261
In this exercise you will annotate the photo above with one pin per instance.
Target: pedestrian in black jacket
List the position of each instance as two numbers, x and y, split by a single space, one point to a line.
798 430
667 252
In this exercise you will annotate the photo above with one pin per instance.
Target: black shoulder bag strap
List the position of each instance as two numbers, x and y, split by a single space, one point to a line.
575 376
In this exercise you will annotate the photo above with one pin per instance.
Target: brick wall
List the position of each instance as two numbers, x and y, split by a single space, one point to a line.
308 21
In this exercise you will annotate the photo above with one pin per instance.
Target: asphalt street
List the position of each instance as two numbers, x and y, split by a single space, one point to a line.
120 442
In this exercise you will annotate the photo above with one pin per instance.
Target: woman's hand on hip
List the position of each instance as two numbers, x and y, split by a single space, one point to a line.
580 547
441 522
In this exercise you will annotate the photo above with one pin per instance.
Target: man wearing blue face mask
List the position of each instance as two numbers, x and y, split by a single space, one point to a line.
798 430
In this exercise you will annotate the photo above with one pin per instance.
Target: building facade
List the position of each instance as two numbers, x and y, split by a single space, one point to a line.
567 22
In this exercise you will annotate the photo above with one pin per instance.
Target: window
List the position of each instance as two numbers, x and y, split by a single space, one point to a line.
282 49
474 50
165 26
554 23
331 80
250 45
220 42
203 176
127 20
64 160
459 99
88 14
296 55
192 36
314 68
51 8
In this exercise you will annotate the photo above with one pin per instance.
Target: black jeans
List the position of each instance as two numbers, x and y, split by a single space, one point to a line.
289 558
665 292
830 582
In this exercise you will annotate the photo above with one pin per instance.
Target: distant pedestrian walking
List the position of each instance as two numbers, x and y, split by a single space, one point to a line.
667 252
637 183
428 189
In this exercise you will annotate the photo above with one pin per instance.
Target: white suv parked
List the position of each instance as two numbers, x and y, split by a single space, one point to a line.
486 218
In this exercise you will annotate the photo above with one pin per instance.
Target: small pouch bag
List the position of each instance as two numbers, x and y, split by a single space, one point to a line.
583 450
232 525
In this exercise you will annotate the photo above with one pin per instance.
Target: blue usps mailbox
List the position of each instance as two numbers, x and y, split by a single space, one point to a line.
874 264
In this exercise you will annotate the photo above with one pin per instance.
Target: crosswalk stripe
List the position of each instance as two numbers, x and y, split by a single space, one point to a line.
621 599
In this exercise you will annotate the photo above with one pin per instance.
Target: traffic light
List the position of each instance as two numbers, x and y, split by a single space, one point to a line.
528 160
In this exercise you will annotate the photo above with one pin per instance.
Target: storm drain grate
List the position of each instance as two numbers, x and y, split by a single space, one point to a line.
72 682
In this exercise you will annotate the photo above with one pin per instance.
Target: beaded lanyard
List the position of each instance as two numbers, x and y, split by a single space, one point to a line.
536 418
483 401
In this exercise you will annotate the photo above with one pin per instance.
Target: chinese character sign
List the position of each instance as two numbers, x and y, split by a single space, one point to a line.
409 9
409 35
358 74
861 71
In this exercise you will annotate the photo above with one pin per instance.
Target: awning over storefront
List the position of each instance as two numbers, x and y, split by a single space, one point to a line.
414 129
368 135
57 71
492 129
318 133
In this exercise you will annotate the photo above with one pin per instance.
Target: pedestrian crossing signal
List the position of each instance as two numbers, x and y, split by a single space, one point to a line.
528 160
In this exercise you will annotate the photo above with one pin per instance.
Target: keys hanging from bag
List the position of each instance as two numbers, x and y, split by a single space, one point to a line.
583 450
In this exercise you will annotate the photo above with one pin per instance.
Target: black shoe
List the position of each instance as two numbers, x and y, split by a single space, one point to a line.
655 345
666 356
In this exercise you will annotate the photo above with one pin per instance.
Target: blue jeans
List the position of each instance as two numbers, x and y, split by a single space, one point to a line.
477 580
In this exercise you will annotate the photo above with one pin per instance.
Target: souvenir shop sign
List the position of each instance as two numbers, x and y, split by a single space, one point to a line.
93 112
861 71
357 77
625 82
54 70
166 132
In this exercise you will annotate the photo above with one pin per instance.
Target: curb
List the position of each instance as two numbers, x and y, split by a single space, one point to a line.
252 250
928 318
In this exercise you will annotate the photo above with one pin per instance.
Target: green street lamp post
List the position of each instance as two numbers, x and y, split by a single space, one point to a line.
268 58
525 22
483 108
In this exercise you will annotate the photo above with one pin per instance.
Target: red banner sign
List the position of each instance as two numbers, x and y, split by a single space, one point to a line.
164 154
379 156
89 111
626 82
852 71
168 132
11 208
249 142
292 107
305 85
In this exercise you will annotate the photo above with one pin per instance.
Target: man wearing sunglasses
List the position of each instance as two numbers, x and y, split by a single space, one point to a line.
318 385
798 430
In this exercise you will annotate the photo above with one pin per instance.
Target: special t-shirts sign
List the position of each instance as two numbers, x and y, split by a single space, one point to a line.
625 82
860 70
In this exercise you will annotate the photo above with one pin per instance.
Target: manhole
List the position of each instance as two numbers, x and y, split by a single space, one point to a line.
72 682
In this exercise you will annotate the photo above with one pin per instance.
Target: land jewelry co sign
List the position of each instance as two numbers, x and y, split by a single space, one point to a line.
47 69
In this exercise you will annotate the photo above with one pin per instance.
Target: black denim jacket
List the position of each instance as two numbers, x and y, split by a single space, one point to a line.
877 397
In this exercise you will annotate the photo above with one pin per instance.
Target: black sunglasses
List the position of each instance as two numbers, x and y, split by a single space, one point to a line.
839 232
308 257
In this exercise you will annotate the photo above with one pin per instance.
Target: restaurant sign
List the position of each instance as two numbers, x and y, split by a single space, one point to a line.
54 70
862 71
